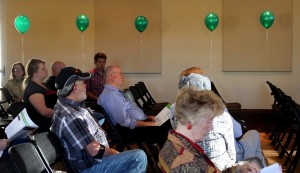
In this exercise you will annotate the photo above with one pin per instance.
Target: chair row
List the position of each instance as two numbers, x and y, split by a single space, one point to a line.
140 95
37 156
283 124
8 107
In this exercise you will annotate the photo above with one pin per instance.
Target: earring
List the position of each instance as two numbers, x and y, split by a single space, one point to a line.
189 126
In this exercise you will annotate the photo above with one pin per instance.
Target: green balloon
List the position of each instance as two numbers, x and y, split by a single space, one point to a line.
211 21
266 19
82 22
141 23
22 24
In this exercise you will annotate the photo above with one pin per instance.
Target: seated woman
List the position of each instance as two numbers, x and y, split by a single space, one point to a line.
195 111
14 84
39 99
225 132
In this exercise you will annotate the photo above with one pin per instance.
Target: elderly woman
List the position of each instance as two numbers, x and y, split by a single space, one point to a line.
195 111
14 84
39 99
226 130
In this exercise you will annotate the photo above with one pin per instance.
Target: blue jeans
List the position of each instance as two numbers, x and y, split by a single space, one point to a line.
131 161
249 146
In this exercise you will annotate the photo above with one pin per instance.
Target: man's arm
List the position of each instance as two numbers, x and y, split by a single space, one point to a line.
94 150
145 123
116 105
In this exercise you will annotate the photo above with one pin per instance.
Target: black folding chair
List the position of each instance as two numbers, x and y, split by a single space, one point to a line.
234 108
116 138
7 165
27 159
5 98
48 145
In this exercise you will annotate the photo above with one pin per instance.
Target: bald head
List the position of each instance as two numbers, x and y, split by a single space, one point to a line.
114 76
56 67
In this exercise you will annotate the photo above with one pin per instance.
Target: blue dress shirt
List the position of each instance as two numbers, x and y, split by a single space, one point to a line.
119 108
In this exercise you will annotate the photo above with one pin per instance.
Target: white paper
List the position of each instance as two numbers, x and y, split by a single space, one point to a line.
163 115
20 127
275 168
1 152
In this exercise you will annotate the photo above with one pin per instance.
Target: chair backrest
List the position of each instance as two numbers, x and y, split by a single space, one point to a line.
7 165
142 92
49 146
113 133
15 108
138 100
27 159
147 93
214 89
5 98
129 96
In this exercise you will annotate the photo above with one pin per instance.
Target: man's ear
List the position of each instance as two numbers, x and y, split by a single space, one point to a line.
75 87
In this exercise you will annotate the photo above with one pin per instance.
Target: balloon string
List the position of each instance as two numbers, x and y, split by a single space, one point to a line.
22 49
211 54
141 46
268 56
82 45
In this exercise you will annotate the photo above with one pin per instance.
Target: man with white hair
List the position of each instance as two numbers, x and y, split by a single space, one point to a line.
83 140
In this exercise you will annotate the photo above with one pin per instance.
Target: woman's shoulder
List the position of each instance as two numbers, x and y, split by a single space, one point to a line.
10 81
33 88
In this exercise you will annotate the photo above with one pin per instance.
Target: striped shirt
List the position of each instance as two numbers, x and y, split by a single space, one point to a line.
96 83
76 128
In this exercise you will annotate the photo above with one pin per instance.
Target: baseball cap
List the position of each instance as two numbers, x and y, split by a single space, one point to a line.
68 76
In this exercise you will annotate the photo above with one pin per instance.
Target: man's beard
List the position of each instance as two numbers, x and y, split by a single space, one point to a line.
82 96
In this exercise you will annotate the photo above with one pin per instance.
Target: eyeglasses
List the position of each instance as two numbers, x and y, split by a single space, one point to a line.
18 69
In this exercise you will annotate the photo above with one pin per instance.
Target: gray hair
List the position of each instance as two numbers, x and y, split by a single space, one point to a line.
192 104
196 80
64 92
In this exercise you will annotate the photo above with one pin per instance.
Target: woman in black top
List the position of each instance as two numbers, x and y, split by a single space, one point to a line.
39 99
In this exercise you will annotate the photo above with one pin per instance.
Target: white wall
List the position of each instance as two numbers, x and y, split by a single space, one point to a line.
186 42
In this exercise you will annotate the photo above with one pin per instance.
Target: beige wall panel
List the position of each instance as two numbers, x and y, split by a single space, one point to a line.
117 36
52 35
247 45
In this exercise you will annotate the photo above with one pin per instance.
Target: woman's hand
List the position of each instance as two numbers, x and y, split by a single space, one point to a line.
247 167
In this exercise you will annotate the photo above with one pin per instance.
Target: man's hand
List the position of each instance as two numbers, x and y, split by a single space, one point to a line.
247 167
3 144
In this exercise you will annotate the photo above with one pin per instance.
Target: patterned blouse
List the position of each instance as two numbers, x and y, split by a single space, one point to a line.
179 154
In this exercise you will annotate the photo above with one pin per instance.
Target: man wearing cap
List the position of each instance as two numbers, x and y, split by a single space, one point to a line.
83 140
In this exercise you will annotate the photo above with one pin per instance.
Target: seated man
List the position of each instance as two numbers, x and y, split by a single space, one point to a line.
83 140
129 118
56 67
220 144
